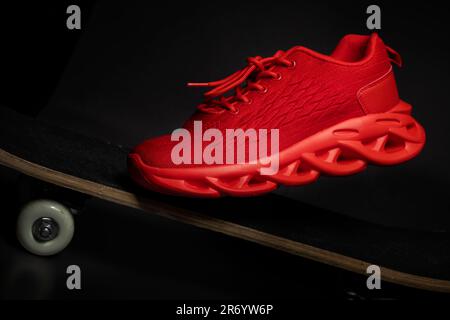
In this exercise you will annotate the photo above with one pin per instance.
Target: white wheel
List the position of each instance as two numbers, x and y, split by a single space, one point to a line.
45 227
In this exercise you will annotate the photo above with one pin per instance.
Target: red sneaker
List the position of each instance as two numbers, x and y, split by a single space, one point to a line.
334 114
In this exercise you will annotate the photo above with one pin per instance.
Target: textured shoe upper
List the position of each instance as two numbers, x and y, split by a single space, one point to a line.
315 92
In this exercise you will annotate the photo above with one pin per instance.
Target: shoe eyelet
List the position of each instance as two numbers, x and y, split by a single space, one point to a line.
279 77
250 101
235 111
265 90
293 64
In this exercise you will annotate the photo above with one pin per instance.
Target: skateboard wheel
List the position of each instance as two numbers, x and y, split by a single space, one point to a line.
45 227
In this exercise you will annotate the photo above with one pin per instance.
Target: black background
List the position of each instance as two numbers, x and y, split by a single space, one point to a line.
122 78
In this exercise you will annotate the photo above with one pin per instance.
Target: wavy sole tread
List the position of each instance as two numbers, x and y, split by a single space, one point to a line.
343 149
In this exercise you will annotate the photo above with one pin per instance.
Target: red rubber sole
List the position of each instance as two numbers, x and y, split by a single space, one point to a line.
346 148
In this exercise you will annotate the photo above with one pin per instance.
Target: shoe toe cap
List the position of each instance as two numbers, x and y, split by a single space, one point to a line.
155 152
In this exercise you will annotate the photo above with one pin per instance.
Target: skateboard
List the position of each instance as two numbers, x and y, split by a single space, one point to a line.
82 165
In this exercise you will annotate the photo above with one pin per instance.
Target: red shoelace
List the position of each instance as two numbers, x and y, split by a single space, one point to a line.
258 68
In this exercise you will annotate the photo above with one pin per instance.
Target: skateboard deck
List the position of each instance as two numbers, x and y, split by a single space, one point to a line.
96 168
